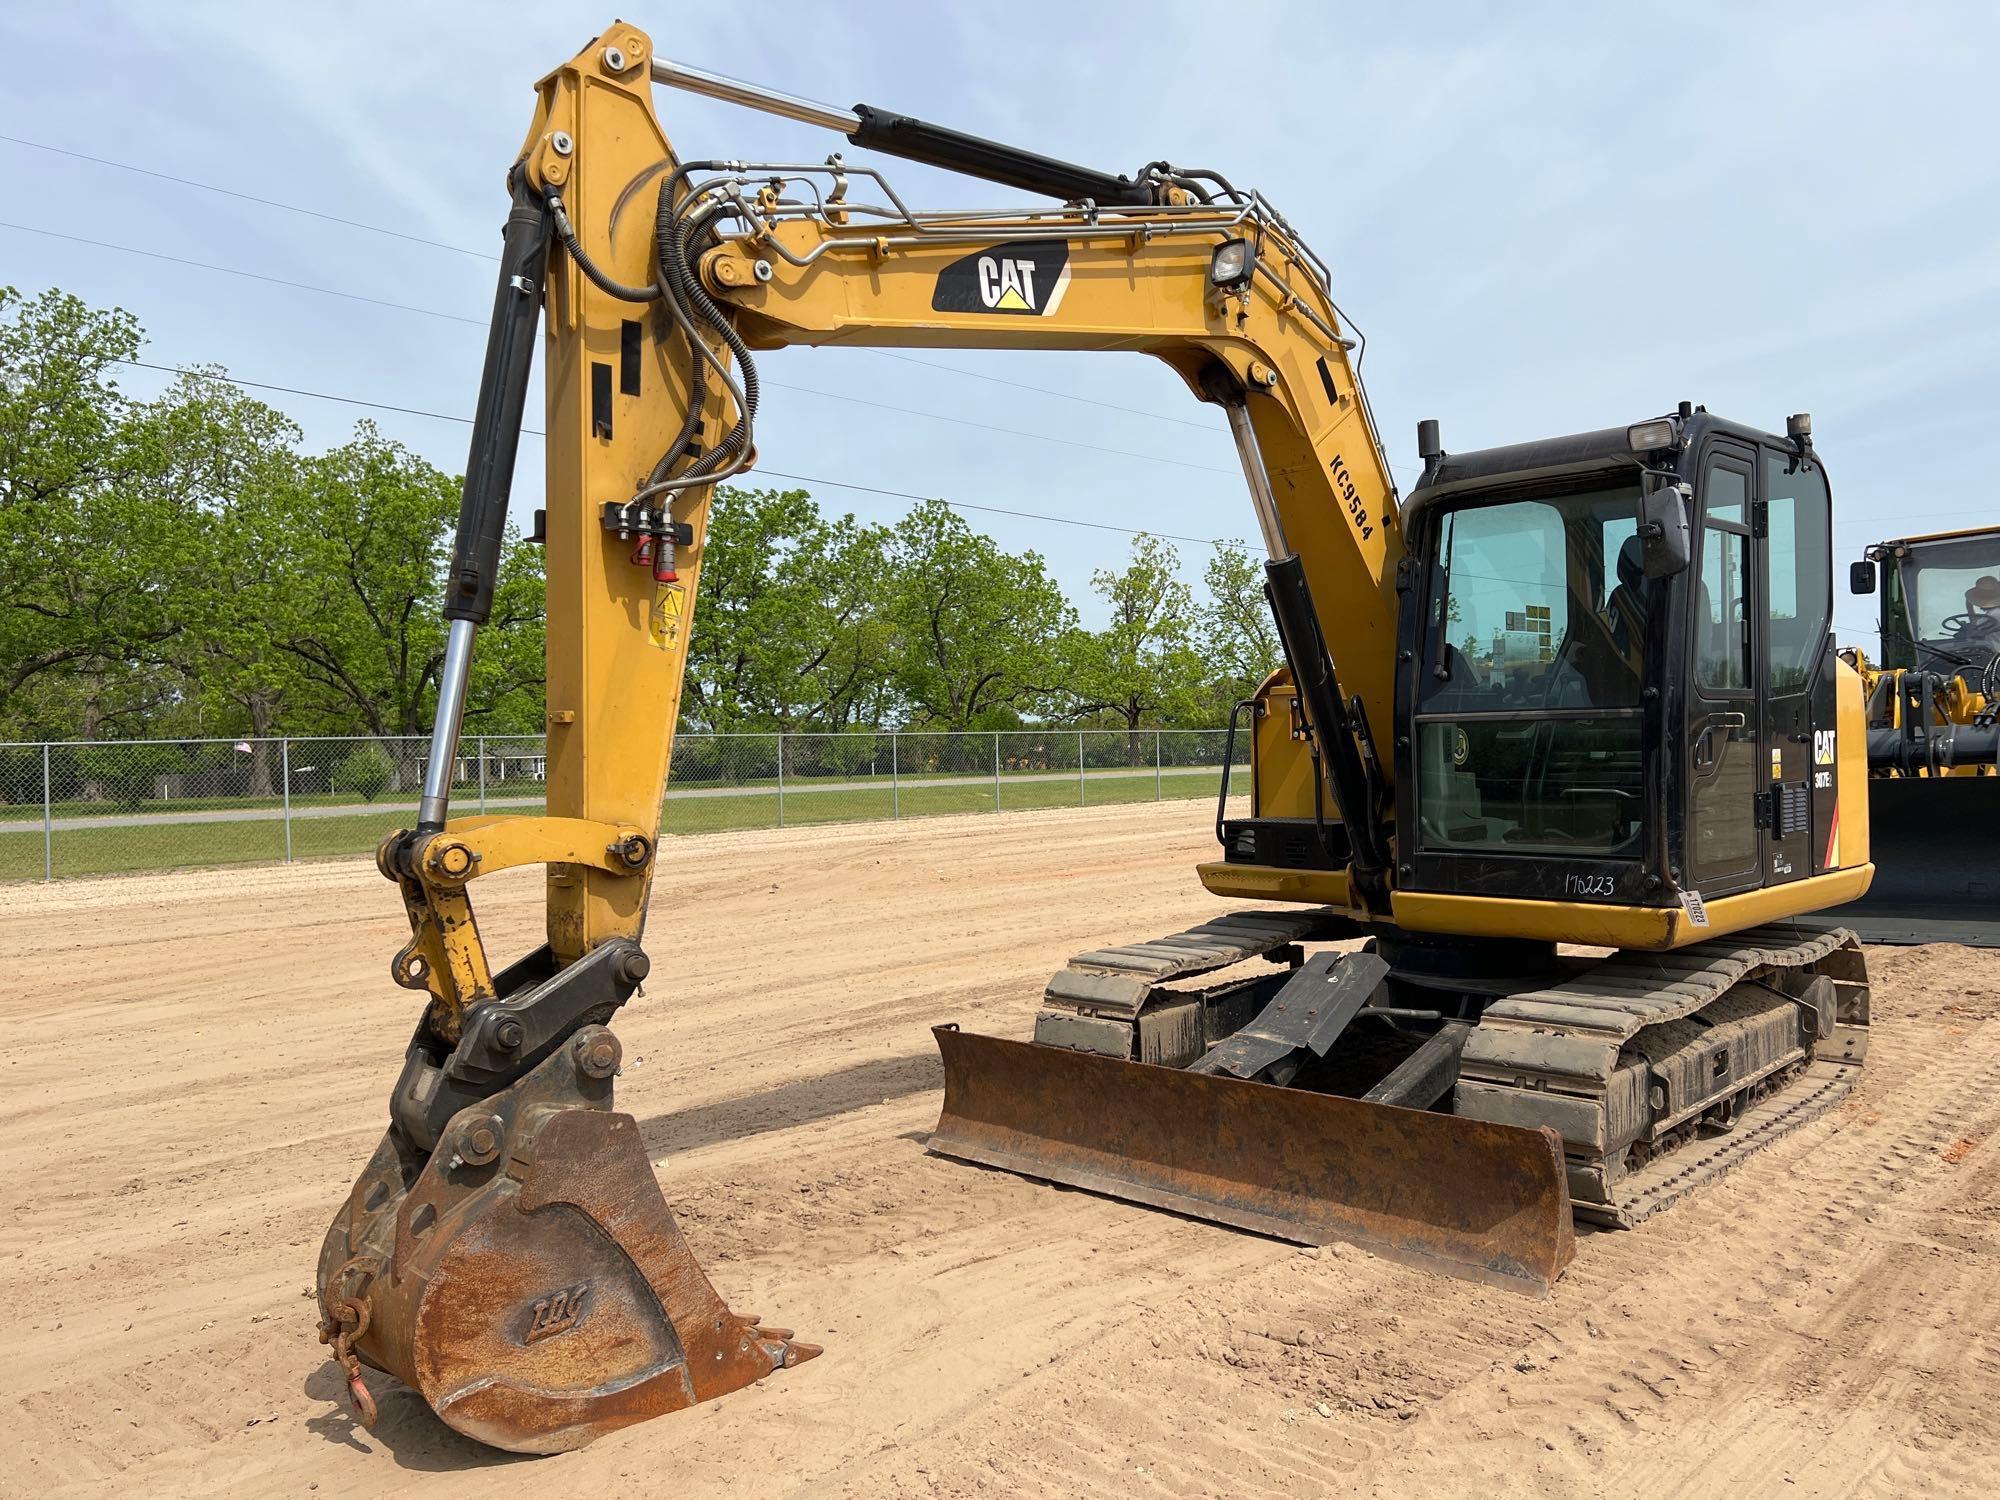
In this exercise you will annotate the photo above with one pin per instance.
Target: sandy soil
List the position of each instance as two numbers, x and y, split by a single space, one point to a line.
195 1066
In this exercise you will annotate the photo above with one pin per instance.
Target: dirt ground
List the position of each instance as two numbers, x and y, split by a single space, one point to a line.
197 1065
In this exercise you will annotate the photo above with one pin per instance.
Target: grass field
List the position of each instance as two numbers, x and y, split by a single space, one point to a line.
172 845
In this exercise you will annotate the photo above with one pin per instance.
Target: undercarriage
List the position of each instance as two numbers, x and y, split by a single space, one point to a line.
1449 1102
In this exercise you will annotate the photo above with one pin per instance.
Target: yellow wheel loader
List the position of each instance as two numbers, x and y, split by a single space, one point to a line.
1560 750
1933 696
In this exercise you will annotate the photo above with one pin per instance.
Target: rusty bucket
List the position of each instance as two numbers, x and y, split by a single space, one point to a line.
526 1276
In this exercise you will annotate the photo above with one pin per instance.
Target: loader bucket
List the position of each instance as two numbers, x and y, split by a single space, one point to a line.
1935 842
1465 1198
526 1277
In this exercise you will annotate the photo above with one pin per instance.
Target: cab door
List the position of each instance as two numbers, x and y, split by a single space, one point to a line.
1723 750
1792 533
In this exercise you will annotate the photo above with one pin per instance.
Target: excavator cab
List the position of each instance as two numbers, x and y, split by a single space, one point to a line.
1617 689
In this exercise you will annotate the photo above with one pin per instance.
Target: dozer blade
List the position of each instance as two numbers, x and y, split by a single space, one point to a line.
527 1278
1935 843
1466 1198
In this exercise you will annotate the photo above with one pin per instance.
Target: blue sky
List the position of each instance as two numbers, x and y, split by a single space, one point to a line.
1544 219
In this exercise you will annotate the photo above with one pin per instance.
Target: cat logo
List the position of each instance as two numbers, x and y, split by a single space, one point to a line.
1027 278
1823 747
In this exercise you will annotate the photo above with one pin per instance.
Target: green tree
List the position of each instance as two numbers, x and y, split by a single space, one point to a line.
82 602
1143 665
1238 637
977 629
126 774
226 462
791 630
507 692
365 773
371 531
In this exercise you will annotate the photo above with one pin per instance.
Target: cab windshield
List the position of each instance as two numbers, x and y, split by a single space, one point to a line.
1945 597
1528 720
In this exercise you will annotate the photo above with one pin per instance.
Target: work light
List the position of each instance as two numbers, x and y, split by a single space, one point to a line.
1232 265
1646 436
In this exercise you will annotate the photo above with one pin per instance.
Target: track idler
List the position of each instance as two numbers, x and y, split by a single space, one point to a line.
525 1275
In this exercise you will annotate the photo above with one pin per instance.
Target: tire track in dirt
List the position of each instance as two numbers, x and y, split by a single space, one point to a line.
1678 1359
1825 1311
763 1077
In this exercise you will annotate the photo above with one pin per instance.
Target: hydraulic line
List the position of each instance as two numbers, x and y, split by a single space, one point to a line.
567 234
684 287
680 291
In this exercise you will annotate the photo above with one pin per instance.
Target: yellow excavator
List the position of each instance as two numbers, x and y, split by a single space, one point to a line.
1560 749
1932 691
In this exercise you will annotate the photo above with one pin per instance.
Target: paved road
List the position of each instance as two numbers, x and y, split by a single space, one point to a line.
465 803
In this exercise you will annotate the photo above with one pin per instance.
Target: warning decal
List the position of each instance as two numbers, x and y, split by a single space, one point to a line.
669 608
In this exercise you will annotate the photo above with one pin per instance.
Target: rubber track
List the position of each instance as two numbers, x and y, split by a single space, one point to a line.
1615 1000
1618 997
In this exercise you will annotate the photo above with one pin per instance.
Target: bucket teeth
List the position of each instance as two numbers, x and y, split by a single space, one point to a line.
544 1296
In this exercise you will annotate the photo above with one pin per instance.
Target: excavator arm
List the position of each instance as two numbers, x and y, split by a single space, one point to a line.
507 1251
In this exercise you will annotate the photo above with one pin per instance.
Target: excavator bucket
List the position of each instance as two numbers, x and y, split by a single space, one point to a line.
1466 1198
526 1277
1935 842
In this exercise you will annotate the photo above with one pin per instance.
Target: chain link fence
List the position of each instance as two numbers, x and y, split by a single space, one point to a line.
116 806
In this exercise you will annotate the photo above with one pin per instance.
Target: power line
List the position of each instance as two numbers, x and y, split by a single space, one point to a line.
292 390
837 484
994 510
1158 458
1021 385
210 187
202 265
865 489
1922 515
431 312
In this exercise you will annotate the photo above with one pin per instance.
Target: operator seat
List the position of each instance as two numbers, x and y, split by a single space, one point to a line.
1631 602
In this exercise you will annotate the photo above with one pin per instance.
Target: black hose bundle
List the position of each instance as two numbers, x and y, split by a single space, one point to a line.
682 297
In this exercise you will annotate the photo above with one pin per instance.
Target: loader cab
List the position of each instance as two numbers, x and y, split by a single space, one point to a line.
1940 600
1616 650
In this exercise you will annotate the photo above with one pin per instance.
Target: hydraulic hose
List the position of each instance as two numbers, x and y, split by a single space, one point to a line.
680 291
737 440
686 300
567 234
663 223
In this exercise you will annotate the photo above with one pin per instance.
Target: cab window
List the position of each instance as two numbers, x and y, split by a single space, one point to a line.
1799 556
1722 586
1539 604
1528 722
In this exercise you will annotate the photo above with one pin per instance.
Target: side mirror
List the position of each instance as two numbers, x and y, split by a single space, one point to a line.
1663 530
1861 576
